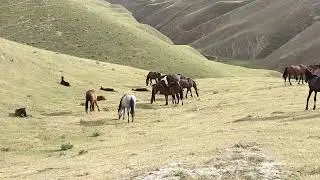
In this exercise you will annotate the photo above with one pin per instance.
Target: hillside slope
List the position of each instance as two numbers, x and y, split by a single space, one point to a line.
253 120
247 29
98 30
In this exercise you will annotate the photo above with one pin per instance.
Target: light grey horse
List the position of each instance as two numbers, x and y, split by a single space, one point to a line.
127 102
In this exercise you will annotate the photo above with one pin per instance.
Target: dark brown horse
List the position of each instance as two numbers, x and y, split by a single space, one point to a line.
91 97
295 71
314 86
63 82
174 90
188 84
153 75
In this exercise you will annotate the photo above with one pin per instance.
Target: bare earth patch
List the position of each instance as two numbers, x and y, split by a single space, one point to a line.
243 161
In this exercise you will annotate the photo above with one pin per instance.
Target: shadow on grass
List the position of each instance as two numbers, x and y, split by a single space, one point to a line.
102 122
60 113
251 118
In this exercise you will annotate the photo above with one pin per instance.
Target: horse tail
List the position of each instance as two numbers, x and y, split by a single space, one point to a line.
285 73
195 87
147 80
87 104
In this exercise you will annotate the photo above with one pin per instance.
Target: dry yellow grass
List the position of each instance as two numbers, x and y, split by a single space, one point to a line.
229 110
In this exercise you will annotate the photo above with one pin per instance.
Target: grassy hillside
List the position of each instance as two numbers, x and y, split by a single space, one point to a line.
98 30
254 121
248 29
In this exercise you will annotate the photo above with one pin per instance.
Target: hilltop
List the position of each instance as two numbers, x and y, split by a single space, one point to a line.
102 31
271 34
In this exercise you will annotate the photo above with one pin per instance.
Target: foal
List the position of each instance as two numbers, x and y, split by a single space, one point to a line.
314 86
91 97
127 102
63 82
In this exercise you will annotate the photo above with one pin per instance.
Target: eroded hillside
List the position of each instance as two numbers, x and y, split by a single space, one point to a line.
101 31
272 33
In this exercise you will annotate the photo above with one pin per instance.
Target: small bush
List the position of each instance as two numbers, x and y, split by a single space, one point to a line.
82 151
181 175
4 149
66 146
96 133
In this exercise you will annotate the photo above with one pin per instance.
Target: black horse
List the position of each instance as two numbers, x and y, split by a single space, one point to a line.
153 75
314 86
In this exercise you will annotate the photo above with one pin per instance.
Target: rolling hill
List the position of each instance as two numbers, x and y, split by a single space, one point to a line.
246 120
271 34
101 31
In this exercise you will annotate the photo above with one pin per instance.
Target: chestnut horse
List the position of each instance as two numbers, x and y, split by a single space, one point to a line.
174 89
295 71
91 97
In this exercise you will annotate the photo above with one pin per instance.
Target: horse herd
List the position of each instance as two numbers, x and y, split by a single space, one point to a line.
171 84
174 85
312 77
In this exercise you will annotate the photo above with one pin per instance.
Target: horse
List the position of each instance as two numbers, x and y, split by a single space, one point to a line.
127 102
314 86
171 79
188 84
153 75
63 82
294 70
175 90
92 97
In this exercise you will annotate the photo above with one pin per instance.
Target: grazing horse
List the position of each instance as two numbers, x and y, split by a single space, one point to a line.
175 90
127 102
153 75
188 84
295 71
92 97
171 79
63 82
314 86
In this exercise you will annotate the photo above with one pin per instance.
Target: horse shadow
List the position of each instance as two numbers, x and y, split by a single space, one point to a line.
59 113
102 122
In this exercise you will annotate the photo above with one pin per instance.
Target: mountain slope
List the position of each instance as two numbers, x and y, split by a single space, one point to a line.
252 29
101 31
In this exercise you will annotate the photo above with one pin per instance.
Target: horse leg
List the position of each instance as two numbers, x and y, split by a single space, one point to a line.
132 114
191 92
96 102
92 105
315 100
196 91
187 93
128 114
166 96
289 79
310 92
173 99
285 81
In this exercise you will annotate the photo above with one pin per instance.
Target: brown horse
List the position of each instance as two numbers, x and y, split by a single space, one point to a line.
188 84
295 71
92 97
153 75
63 82
175 90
